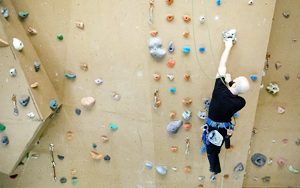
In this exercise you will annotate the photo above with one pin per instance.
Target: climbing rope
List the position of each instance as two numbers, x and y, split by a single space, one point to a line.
151 7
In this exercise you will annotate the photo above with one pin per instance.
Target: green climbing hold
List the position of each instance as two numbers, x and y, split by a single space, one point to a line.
94 145
2 127
63 180
60 37
74 180
70 76
113 126
23 14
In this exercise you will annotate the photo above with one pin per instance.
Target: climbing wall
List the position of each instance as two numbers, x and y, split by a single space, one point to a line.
276 123
114 46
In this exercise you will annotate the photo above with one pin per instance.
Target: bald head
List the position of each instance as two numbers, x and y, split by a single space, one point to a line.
241 85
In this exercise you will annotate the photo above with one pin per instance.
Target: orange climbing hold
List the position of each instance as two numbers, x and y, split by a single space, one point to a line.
156 76
187 77
170 17
187 101
187 126
188 169
154 33
171 63
169 2
186 18
174 148
172 115
186 34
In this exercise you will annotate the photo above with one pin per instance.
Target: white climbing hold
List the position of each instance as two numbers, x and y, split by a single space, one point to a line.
18 44
250 2
31 115
170 77
13 72
292 169
98 81
161 170
202 19
88 102
280 110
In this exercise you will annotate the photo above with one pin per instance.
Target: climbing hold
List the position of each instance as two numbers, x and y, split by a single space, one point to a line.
113 126
156 76
280 110
154 33
226 176
186 50
200 186
87 102
24 100
202 19
95 155
172 90
5 12
266 179
53 104
236 115
31 115
157 53
31 30
60 37
187 169
187 126
187 76
201 178
186 34
201 50
154 42
297 142
278 65
229 35
34 85
172 115
169 2
161 170
3 43
253 77
23 14
174 169
258 159
270 161
281 162
250 2
286 14
116 96
187 115
37 66
5 140
18 44
206 103
285 140
202 115
272 88
98 81
13 176
107 158
286 76
170 17
170 77
293 170
84 66
74 180
73 171
63 180
70 76
174 126
239 167
94 146
104 138
69 135
13 72
77 111
186 18
187 101
218 2
148 165
174 148
79 24
61 157
171 47
156 100
171 63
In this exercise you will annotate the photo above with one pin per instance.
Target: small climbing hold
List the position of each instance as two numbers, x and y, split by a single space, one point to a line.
77 111
202 115
250 2
253 77
69 135
84 66
61 157
218 2
202 50
174 148
285 140
170 77
171 63
24 100
53 104
297 142
186 34
201 178
187 169
293 169
13 176
79 24
280 110
266 179
148 165
206 103
73 171
113 126
200 186
5 140
34 85
187 76
88 102
186 50
95 155
281 162
278 65
187 115
70 76
35 156
5 12
60 37
202 19
13 72
186 18
236 115
187 126
226 176
31 30
31 115
161 170
174 126
37 66
94 146
98 81
171 47
286 14
74 180
156 76
187 101
107 158
272 88
104 138
258 159
169 2
286 76
18 44
154 33
23 14
239 167
170 17
63 180
172 115
3 43
116 96
173 90
270 161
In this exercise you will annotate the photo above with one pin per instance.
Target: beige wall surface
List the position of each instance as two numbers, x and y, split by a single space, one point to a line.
114 45
277 134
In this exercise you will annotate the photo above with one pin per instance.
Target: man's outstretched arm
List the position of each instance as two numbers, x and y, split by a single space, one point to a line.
222 66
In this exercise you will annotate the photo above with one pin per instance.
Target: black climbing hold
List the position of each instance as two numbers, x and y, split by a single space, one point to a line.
60 157
94 145
77 111
63 180
24 100
266 179
107 158
5 140
13 176
171 47
239 167
259 159
37 66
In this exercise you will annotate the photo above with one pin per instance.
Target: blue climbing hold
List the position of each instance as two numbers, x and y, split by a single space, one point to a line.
203 149
236 115
53 104
113 126
218 2
172 90
186 49
5 140
253 77
201 50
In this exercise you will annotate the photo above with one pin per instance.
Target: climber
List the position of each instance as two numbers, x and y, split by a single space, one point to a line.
225 102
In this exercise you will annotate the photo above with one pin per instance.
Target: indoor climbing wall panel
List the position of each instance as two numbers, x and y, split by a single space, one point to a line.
276 133
114 46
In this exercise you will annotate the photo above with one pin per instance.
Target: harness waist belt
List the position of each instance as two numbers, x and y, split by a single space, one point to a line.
214 124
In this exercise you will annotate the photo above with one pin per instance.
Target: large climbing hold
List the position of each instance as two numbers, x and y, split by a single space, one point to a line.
24 100
23 14
174 126
258 159
88 102
155 48
18 44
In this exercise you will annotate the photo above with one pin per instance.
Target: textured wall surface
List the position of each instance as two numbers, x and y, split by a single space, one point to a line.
114 45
